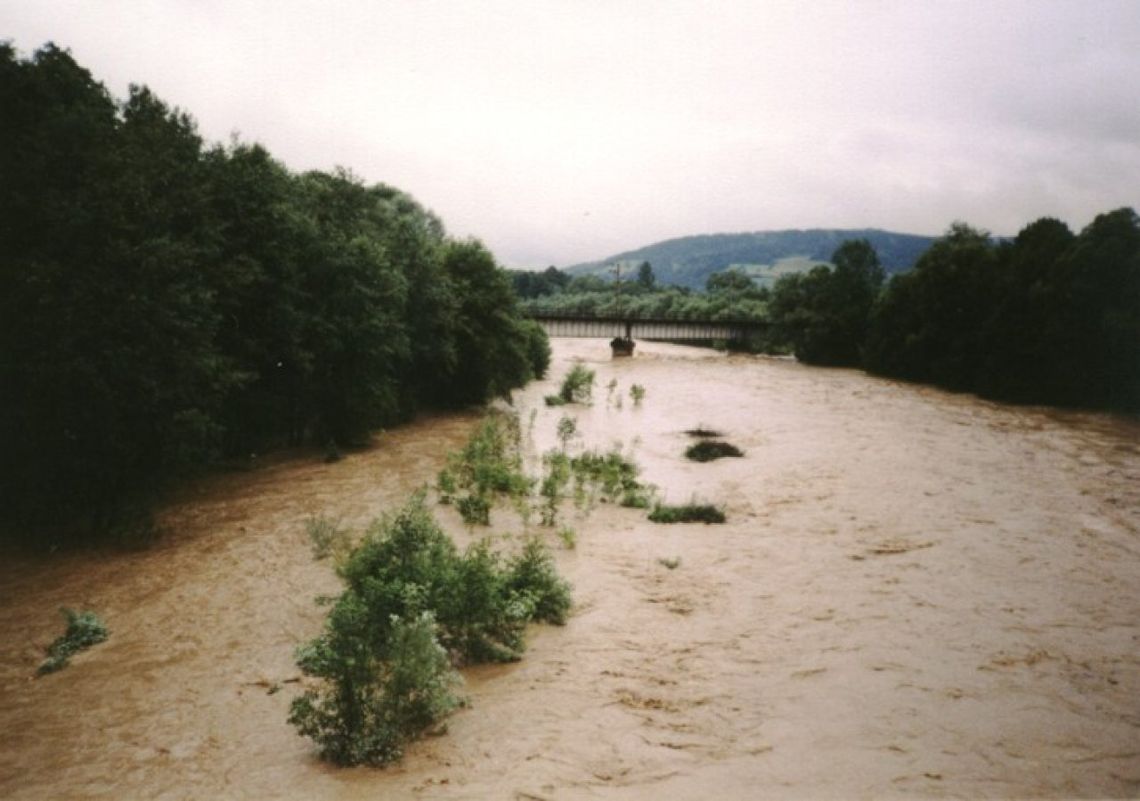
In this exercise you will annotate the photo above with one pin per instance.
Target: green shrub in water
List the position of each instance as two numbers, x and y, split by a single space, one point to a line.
611 472
532 575
84 629
413 607
577 386
326 535
708 450
475 510
368 708
688 513
489 465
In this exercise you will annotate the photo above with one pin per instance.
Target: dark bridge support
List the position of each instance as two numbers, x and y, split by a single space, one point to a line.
623 346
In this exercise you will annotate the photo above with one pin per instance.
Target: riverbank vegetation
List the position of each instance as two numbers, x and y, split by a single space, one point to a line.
168 304
1047 317
1050 316
729 295
413 608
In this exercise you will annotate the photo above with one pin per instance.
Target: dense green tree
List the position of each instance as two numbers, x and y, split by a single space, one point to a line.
646 280
492 341
528 284
111 374
163 303
1021 332
266 241
729 281
929 325
1095 336
823 314
1048 317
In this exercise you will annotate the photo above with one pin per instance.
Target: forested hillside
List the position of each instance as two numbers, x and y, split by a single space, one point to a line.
765 256
166 303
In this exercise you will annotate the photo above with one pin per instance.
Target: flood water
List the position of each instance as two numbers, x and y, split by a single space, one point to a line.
917 594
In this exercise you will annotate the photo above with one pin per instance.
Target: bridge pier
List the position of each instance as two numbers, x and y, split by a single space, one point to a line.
622 346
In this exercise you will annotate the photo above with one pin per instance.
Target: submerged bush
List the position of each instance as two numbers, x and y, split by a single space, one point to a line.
413 607
611 475
326 535
84 629
369 708
475 510
708 450
490 464
577 386
611 472
532 575
688 513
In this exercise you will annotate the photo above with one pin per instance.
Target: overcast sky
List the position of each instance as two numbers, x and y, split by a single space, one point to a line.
560 132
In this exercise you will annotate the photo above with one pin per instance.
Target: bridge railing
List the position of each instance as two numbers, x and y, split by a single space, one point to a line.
641 317
644 326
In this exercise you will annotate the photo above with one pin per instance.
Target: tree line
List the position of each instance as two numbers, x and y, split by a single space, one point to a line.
1050 316
729 295
1047 317
166 303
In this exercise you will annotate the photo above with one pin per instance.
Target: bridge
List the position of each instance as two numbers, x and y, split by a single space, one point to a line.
629 326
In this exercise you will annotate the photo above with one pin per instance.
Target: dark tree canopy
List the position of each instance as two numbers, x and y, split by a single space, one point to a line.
822 314
645 277
165 303
729 281
1048 317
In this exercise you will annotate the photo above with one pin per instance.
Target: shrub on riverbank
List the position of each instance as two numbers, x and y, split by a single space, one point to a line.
413 607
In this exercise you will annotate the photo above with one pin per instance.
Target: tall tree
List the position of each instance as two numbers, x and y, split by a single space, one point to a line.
646 280
929 325
824 313
492 342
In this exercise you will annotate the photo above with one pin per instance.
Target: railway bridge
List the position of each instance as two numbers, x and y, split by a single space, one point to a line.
628 326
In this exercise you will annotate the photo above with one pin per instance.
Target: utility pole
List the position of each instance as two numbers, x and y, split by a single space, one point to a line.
622 344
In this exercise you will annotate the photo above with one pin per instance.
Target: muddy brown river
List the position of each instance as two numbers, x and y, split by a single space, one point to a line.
917 594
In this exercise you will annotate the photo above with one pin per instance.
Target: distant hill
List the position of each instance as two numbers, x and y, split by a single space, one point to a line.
765 255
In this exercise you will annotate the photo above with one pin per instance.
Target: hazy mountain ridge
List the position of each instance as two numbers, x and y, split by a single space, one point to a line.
690 260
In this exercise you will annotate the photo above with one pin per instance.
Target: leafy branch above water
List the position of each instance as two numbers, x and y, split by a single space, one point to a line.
577 387
84 629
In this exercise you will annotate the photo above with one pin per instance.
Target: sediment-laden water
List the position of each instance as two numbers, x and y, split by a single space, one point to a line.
916 594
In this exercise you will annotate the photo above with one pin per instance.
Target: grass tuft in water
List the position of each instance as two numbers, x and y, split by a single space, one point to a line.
688 513
84 629
708 450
